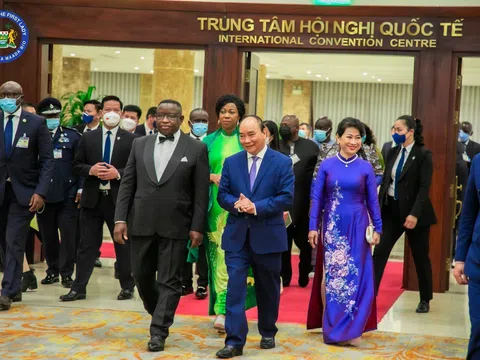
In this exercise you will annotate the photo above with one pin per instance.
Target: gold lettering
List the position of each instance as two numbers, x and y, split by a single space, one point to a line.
424 31
264 24
339 28
274 26
457 30
318 26
352 28
202 22
397 31
248 25
288 26
386 29
212 24
305 25
236 24
413 29
445 27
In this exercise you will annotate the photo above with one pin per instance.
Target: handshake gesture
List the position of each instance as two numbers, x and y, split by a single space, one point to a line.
243 204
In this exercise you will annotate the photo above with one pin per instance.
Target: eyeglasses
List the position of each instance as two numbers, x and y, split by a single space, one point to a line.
169 117
10 96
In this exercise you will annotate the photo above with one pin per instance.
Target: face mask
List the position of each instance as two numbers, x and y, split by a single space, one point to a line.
463 136
285 132
364 137
53 123
320 135
87 119
111 119
128 124
199 129
399 139
8 105
302 133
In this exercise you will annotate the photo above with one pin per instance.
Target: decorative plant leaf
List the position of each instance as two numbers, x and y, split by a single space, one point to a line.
72 110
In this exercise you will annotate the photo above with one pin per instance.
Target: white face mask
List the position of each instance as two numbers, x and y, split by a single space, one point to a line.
128 124
111 119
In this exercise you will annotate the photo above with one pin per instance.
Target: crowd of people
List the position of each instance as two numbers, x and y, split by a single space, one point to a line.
232 201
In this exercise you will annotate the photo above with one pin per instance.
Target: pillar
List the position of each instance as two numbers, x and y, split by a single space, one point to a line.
146 95
297 99
173 78
57 71
261 91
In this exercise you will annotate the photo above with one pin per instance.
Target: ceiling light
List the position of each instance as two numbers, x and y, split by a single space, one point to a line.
117 52
196 70
373 77
365 74
268 76
151 71
142 58
95 69
72 54
379 80
136 68
327 78
319 75
309 72
267 64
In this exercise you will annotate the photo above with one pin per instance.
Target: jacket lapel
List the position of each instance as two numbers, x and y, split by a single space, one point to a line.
148 153
266 163
409 162
244 171
2 135
175 159
98 151
118 141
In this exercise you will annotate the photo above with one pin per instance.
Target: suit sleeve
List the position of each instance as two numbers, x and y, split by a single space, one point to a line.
201 193
424 185
127 188
283 200
224 197
121 171
80 166
45 159
468 217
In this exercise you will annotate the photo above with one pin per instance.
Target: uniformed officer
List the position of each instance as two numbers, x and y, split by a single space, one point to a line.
61 210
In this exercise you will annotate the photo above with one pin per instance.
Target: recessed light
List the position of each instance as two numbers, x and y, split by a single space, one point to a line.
309 72
72 54
117 52
151 71
267 64
196 70
365 74
142 58
96 69
319 75
268 76
379 79
373 77
327 78
136 68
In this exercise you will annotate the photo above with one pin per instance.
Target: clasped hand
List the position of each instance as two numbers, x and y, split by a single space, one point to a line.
243 204
104 171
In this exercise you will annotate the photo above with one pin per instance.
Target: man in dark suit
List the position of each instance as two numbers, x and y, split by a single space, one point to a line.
470 147
388 145
304 154
101 158
406 206
164 199
91 116
148 128
26 166
61 210
256 188
467 257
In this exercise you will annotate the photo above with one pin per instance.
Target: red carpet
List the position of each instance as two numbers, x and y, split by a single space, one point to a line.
294 300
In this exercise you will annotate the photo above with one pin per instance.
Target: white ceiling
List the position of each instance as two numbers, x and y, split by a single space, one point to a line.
335 67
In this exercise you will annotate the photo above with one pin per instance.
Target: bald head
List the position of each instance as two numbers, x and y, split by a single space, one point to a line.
291 120
289 127
11 87
12 95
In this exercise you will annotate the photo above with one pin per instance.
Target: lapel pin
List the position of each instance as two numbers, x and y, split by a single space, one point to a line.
413 158
118 138
24 120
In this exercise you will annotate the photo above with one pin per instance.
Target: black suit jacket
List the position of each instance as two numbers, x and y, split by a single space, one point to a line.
473 148
385 149
307 151
140 130
172 206
90 152
30 169
413 186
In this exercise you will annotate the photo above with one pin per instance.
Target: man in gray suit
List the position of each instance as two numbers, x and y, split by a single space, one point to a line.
163 198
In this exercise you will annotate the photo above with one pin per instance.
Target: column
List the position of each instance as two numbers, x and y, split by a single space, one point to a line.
146 95
57 71
297 99
261 91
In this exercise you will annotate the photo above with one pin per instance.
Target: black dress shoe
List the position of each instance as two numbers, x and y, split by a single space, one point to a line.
72 296
423 307
67 282
156 343
303 280
29 281
125 295
50 279
201 293
187 290
98 263
229 351
5 303
17 297
267 343
286 283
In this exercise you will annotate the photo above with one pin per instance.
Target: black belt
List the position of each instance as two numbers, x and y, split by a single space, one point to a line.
105 192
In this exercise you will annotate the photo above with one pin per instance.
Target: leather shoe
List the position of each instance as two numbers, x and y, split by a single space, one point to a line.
187 290
67 282
72 296
50 279
267 343
303 280
125 294
423 307
286 283
229 351
5 303
156 343
17 297
201 293
29 281
98 263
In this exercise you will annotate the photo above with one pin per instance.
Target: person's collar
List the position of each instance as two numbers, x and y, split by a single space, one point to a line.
17 112
235 132
113 131
260 155
409 147
147 128
192 135
93 128
176 135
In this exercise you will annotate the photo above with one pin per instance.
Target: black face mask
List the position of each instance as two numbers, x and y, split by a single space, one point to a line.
285 132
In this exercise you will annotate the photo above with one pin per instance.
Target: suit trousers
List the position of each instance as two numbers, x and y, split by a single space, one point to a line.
418 240
202 269
157 268
77 237
299 234
474 311
91 236
266 271
60 255
14 227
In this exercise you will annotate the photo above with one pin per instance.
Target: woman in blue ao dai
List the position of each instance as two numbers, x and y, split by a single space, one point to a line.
342 198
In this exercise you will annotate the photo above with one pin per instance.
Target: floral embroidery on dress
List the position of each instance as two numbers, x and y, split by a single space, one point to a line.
339 263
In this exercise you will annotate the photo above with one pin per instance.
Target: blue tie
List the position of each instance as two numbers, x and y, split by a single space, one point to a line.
9 135
106 153
399 172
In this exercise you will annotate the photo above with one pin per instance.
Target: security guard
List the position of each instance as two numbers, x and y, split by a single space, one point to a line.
61 210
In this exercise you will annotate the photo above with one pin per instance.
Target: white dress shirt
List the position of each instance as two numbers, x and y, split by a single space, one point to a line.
147 129
15 120
260 157
197 137
391 189
163 153
113 137
91 129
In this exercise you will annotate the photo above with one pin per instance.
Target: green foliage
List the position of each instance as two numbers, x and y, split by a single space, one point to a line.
72 111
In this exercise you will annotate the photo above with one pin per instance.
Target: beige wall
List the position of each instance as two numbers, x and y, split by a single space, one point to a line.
297 104
261 91
146 94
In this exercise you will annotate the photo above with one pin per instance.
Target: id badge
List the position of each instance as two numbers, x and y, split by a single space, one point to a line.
57 153
295 159
23 142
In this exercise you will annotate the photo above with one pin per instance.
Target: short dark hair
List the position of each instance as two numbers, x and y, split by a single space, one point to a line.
416 125
200 110
369 136
112 98
133 108
230 99
309 127
350 122
96 103
152 111
260 123
170 101
323 118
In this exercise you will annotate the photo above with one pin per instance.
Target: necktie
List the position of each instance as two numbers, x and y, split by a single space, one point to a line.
162 139
253 172
106 153
399 172
89 129
9 135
